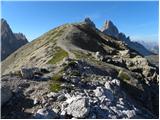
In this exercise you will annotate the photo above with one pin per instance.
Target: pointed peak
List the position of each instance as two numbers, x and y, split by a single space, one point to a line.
89 21
3 21
109 23
110 29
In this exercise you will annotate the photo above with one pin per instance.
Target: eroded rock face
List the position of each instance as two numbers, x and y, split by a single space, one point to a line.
10 41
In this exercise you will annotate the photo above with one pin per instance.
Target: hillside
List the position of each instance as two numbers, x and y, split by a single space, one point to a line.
77 71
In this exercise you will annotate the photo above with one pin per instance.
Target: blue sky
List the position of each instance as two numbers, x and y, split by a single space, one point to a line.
139 20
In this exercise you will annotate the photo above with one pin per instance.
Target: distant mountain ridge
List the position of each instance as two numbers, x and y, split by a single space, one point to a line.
10 41
110 29
152 46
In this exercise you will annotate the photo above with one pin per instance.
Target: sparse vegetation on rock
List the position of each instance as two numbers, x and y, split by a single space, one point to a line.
59 55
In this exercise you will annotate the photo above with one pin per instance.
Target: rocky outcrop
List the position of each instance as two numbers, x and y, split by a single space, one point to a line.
10 41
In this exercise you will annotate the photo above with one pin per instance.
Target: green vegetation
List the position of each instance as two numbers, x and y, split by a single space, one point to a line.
57 77
55 84
55 87
75 73
58 56
82 55
122 75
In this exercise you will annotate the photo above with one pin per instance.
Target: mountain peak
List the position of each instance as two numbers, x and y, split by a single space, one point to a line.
5 27
3 20
89 21
10 41
110 29
109 23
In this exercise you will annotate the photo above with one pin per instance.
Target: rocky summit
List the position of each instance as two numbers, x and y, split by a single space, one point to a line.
10 41
76 71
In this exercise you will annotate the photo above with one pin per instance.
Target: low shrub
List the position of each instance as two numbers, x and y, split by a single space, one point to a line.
122 75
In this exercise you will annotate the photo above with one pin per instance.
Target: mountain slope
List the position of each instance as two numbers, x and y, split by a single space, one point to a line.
10 41
83 52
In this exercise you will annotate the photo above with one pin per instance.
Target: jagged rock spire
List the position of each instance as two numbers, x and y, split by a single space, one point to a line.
89 21
110 29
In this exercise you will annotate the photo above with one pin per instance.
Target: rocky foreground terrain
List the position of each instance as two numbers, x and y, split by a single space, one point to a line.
78 71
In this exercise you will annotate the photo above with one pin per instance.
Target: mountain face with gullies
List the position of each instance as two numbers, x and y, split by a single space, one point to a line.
78 71
110 29
10 41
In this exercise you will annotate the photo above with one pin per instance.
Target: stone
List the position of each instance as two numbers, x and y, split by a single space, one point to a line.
107 85
43 101
56 110
78 108
125 53
6 94
63 113
64 105
115 82
75 79
99 91
98 56
36 101
61 97
129 113
27 73
52 95
45 114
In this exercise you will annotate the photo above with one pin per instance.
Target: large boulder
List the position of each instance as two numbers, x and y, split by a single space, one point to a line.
6 94
99 91
27 73
98 56
78 108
